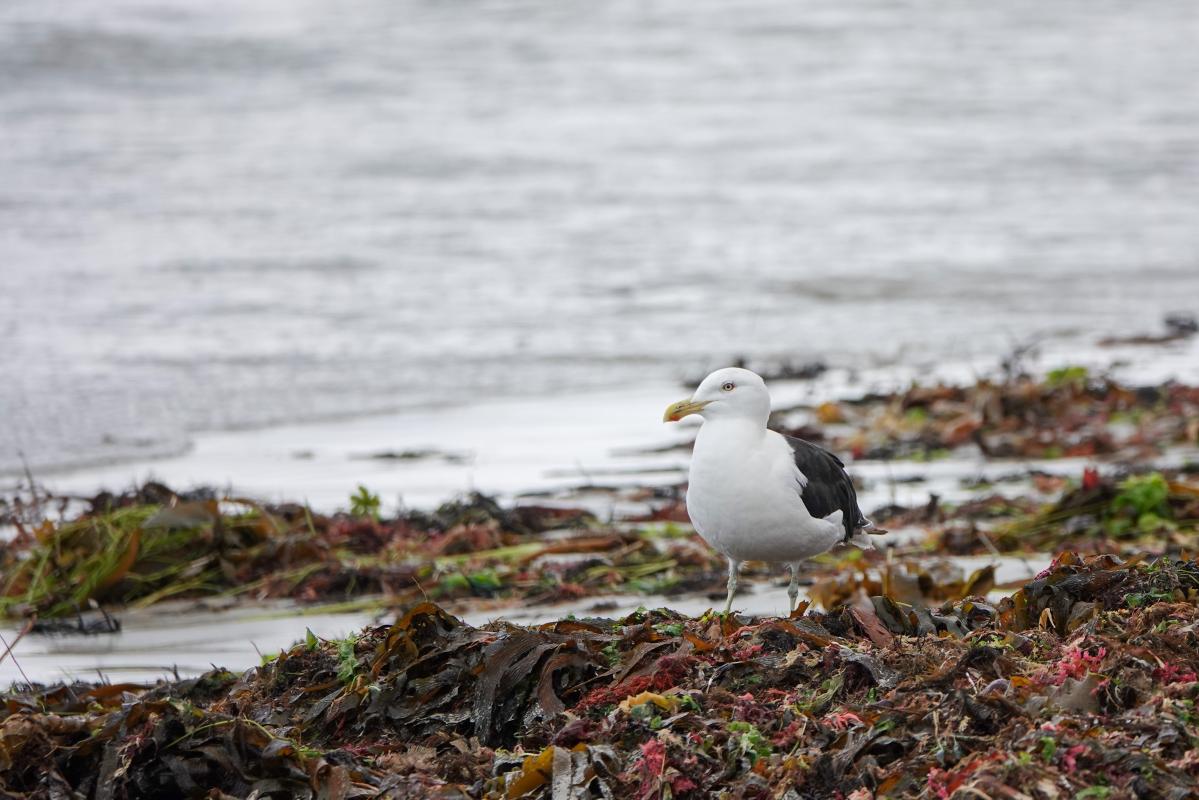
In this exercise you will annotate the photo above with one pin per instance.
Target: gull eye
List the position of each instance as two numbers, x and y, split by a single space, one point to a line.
729 386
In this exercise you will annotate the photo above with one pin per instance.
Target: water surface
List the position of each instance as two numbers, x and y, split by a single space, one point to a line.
225 215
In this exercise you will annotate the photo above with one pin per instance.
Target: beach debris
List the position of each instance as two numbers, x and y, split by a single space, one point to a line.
916 582
786 369
1153 511
91 623
152 544
1178 326
1068 413
1086 677
1150 511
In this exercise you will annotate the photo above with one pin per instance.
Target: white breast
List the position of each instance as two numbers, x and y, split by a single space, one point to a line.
744 496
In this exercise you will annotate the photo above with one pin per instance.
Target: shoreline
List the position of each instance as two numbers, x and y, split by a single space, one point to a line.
524 446
589 547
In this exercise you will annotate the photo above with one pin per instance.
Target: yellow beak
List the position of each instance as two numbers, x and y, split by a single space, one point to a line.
683 408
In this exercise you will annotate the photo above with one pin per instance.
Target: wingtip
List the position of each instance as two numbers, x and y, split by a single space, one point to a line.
866 526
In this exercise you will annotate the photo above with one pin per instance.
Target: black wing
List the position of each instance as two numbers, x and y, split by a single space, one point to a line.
829 485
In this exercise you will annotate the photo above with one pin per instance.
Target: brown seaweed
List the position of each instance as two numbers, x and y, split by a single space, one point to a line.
1081 684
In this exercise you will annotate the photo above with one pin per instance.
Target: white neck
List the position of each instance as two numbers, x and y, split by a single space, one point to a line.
734 431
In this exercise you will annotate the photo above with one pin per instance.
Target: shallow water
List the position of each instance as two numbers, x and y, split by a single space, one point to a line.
173 638
542 449
169 639
224 215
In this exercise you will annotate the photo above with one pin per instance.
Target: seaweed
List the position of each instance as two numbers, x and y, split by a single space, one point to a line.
1068 413
152 544
1084 679
1148 511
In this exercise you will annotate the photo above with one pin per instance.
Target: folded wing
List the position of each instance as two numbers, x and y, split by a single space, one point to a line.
829 486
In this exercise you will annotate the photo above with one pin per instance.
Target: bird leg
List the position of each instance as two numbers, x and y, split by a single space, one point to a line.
734 567
793 588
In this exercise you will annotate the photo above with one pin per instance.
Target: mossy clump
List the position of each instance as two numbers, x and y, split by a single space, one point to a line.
1151 509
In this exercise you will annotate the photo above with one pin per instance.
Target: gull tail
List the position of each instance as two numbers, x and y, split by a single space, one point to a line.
862 531
861 540
861 536
836 520
866 526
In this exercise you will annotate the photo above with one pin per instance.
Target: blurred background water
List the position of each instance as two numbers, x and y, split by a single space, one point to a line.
226 214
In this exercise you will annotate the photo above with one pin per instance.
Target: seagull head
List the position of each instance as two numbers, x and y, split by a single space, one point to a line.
729 393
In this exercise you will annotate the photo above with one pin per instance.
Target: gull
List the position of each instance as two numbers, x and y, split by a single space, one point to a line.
755 494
